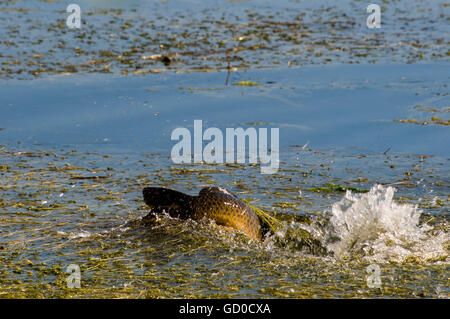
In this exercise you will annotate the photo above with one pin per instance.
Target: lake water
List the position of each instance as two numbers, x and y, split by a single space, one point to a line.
86 123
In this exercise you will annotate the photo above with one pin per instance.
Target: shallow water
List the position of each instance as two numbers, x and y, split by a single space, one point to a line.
77 148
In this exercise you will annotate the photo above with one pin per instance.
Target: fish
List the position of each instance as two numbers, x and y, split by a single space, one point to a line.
215 203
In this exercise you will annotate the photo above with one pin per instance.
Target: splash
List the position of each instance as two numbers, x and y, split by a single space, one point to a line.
86 234
374 227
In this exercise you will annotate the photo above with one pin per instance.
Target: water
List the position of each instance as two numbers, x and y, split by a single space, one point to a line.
381 229
140 112
79 140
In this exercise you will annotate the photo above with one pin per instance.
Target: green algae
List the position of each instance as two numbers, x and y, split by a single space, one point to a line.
120 41
433 120
267 219
331 188
246 83
173 259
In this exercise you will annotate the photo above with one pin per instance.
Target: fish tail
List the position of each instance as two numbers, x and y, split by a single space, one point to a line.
175 203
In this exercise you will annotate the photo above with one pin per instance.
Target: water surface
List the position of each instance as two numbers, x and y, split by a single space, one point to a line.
86 123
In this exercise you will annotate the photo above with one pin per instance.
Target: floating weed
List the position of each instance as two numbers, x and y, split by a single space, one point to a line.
433 120
331 188
268 219
121 258
246 83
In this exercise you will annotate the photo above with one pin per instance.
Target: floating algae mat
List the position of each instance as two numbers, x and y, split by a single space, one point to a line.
63 208
152 37
86 122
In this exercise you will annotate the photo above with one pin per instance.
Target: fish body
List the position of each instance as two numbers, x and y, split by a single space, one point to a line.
213 203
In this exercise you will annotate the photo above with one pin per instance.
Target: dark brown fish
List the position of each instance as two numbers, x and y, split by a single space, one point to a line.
215 203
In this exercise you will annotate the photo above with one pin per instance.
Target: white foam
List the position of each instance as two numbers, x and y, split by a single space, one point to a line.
81 234
73 235
375 227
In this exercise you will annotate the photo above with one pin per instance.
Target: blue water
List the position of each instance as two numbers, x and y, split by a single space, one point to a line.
349 106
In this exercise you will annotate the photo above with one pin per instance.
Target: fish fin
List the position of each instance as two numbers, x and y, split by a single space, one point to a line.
215 190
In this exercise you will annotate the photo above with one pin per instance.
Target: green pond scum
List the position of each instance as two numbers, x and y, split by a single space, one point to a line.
55 214
147 38
328 213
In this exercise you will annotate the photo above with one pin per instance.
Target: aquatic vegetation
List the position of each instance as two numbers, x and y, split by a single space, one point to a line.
95 224
331 187
246 83
433 120
270 221
140 38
